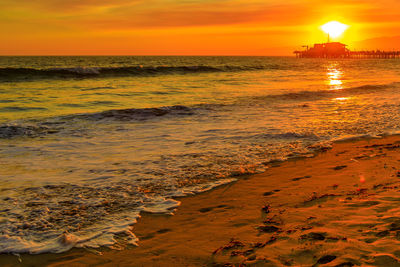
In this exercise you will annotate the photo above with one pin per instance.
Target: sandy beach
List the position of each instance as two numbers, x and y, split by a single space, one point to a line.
339 208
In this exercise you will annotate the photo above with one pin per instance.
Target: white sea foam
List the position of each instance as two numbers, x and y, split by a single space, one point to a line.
60 228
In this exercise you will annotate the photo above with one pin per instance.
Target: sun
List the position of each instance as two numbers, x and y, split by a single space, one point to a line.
334 29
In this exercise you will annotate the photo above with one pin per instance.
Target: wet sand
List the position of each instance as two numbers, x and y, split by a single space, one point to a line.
340 208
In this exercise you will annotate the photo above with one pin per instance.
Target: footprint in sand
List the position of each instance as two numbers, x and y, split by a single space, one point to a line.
207 209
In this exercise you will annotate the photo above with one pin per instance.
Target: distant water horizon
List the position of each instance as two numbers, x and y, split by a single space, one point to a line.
289 54
88 142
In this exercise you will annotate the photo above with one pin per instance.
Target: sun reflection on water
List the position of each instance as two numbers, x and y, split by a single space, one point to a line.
334 77
341 98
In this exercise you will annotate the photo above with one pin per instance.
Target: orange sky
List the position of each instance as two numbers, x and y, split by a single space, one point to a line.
190 27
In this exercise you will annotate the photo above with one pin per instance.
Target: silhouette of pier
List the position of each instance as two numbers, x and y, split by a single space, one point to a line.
339 50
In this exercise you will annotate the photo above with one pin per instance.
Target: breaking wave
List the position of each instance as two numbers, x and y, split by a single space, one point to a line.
90 72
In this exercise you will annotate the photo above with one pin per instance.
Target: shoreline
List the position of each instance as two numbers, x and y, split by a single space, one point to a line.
337 208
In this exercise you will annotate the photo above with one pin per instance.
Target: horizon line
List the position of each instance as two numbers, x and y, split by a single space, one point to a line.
135 55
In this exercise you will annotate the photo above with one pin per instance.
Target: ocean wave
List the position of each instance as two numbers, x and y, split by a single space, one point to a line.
10 74
315 94
135 114
52 125
56 124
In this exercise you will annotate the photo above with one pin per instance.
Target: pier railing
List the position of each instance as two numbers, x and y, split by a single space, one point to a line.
350 54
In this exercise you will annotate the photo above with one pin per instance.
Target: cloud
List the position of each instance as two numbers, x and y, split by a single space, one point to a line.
189 16
64 6
125 14
135 14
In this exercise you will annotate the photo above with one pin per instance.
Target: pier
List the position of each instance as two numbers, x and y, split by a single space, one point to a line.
339 50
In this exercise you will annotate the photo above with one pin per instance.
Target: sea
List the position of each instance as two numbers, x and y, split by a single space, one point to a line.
87 143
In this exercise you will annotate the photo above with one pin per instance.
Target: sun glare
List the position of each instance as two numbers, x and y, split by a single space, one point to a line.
334 28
